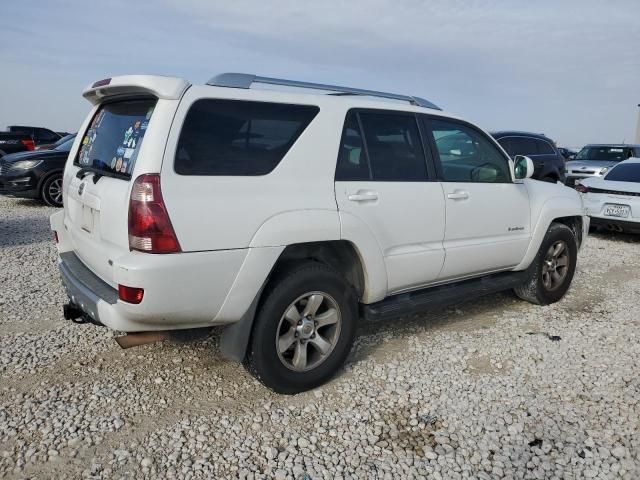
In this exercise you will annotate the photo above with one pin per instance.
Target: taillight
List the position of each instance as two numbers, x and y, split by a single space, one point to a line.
581 188
55 236
130 294
150 228
29 144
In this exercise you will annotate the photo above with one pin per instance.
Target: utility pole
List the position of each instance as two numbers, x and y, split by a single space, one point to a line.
637 140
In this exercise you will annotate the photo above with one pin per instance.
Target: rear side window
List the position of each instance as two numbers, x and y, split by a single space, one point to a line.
523 146
383 147
112 142
625 172
544 148
232 137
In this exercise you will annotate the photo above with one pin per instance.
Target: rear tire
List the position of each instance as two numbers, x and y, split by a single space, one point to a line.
304 329
51 191
552 269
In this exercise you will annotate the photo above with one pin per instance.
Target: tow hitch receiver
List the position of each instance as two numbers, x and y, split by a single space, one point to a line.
72 312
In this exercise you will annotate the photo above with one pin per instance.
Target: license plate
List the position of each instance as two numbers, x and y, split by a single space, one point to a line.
616 210
87 219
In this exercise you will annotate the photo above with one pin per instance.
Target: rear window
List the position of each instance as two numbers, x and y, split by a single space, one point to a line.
231 137
112 142
626 172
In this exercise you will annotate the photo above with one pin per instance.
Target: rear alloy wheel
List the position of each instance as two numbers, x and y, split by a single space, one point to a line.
303 330
552 269
52 190
308 331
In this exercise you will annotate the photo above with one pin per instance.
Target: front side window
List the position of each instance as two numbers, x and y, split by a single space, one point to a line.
233 137
114 137
466 155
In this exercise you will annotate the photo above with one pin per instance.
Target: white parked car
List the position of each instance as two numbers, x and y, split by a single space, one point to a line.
613 201
288 214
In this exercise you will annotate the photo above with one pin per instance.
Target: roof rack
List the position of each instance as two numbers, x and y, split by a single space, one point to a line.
245 80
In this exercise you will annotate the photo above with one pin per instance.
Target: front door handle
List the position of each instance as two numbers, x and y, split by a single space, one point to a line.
363 196
458 196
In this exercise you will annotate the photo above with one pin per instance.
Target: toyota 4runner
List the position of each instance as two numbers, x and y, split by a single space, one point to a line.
288 213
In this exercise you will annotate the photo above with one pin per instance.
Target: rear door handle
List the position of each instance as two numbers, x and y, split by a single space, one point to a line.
363 197
458 195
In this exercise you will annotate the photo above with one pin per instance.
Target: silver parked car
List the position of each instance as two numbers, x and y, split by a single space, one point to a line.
597 159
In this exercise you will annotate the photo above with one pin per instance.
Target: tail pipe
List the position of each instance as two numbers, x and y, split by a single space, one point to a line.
142 338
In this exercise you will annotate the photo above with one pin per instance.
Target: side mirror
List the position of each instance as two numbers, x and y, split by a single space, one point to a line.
522 167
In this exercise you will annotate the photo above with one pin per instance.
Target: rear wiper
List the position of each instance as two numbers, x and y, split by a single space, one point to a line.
83 172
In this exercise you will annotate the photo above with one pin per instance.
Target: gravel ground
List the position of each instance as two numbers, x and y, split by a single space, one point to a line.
494 388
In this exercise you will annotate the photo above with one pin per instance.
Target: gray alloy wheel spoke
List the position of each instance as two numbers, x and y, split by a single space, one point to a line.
285 341
313 303
329 317
300 356
556 279
558 248
292 315
320 343
55 190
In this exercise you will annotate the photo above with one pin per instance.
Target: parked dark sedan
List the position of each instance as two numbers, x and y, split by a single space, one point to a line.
36 174
548 161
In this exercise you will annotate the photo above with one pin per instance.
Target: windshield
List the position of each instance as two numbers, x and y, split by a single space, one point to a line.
604 153
64 140
66 146
113 139
626 172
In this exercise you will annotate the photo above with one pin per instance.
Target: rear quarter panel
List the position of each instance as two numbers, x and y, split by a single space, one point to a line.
293 203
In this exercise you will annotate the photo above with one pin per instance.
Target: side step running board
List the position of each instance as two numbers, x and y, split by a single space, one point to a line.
443 295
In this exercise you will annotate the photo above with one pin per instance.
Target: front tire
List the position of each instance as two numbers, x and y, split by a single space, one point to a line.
552 269
304 329
51 191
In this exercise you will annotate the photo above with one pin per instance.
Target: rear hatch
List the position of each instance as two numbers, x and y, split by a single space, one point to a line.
97 195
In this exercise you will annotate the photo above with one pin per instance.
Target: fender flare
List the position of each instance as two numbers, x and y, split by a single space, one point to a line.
552 209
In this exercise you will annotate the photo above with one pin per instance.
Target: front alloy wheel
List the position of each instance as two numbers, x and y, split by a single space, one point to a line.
555 266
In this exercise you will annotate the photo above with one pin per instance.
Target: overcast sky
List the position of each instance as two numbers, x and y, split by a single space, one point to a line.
569 69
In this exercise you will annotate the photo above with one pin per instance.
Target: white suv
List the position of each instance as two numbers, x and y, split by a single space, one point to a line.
288 213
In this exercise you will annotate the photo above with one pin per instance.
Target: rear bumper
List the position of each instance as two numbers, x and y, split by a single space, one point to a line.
183 290
617 224
172 300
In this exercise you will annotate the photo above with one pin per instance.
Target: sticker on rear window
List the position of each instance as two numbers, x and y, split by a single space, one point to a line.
114 137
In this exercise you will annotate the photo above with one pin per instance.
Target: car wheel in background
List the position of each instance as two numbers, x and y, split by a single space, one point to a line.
51 191
550 179
553 267
304 329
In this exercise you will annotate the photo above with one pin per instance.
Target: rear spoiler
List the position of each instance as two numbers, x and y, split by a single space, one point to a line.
170 88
